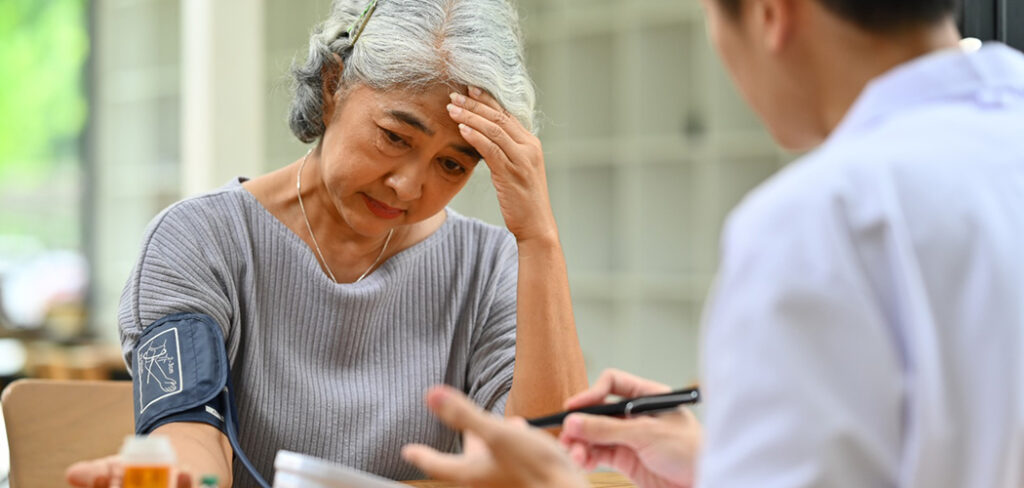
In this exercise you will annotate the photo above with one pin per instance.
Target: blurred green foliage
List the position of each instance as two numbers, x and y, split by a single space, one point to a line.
43 49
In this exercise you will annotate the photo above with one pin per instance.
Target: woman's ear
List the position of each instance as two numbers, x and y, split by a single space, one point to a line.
330 77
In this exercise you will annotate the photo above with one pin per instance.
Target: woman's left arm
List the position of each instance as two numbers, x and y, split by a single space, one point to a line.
549 364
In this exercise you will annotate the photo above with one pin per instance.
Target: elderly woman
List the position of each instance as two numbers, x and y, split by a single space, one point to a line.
342 284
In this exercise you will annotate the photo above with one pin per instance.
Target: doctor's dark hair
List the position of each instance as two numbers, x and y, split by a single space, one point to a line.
415 44
878 16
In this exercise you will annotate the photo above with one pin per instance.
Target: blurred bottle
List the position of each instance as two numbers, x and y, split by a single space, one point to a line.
148 462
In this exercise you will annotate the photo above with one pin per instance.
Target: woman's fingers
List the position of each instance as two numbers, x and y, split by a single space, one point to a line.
489 139
486 117
516 160
482 103
494 155
103 472
108 472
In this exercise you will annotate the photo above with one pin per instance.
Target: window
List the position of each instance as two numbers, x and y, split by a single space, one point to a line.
44 48
993 20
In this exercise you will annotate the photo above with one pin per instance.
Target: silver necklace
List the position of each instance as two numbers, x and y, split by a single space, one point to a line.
316 245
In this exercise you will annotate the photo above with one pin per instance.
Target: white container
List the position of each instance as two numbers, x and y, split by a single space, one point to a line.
294 470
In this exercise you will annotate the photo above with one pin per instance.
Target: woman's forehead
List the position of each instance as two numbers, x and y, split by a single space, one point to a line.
422 110
429 103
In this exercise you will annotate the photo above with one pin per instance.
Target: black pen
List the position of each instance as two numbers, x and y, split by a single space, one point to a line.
627 407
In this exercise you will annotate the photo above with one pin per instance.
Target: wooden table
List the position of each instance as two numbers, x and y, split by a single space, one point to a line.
597 480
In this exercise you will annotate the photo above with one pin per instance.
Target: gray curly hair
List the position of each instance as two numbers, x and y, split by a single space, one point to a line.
416 44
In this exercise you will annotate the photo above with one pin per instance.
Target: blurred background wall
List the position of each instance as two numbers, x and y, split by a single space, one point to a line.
648 147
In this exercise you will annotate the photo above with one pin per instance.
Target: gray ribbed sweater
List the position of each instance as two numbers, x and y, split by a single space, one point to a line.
337 371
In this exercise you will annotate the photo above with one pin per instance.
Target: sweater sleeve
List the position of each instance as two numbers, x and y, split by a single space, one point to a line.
493 354
181 269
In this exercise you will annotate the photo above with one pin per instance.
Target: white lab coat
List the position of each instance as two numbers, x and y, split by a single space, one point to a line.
867 325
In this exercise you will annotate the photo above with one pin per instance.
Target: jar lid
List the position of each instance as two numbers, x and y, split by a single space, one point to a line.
147 449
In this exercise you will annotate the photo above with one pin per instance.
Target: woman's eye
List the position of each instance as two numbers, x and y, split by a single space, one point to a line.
452 166
394 139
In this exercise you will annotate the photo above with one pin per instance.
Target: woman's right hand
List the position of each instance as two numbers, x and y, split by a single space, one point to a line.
200 448
106 472
516 160
96 473
655 452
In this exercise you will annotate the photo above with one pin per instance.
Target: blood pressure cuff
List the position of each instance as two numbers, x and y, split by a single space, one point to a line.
180 370
180 374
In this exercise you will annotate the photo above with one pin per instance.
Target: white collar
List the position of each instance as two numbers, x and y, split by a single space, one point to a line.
945 74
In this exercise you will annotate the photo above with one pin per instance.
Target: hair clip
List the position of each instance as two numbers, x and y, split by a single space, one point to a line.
360 22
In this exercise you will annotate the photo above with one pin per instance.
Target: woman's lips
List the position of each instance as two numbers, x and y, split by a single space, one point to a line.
381 209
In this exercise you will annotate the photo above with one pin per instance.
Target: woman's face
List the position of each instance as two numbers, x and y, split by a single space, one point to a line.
393 157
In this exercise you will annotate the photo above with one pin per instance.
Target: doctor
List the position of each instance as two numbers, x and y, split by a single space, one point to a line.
867 326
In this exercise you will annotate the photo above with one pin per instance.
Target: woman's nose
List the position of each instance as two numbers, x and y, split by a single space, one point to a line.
407 181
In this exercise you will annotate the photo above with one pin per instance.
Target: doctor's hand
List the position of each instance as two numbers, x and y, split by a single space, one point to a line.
106 472
654 452
497 452
516 160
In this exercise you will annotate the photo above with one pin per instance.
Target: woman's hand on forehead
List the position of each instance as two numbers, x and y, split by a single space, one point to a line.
516 160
